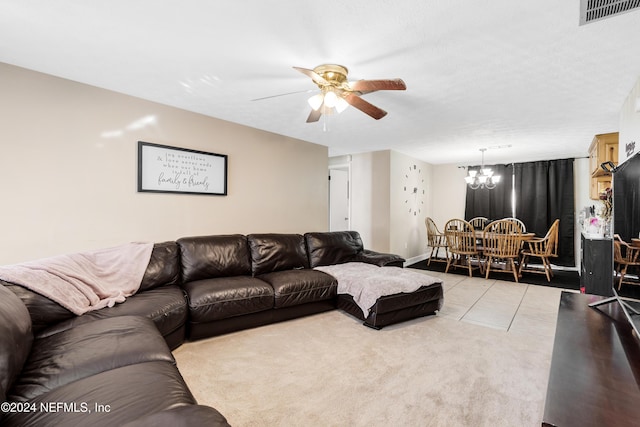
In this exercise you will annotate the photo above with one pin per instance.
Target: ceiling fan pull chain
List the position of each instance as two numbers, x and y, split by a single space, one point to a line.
325 122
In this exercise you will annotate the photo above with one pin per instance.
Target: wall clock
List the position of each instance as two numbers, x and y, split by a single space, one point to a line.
414 190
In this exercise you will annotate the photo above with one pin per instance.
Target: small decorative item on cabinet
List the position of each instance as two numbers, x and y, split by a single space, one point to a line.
604 148
606 211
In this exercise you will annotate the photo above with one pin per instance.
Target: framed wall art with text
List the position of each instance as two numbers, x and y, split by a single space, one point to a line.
165 169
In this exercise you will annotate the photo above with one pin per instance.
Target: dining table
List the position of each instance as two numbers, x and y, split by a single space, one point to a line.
479 235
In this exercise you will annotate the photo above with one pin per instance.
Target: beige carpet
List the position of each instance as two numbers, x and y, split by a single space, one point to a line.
329 370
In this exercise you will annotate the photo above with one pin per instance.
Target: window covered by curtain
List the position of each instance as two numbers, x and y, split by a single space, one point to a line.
544 192
492 204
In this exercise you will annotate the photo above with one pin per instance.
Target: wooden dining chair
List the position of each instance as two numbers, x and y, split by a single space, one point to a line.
461 241
625 256
517 221
479 222
435 240
544 248
501 245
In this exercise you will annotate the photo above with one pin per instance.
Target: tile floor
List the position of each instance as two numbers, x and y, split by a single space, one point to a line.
514 307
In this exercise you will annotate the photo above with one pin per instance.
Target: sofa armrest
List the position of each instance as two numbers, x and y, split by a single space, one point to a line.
380 259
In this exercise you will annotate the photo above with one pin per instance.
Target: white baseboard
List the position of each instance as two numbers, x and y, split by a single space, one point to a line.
415 259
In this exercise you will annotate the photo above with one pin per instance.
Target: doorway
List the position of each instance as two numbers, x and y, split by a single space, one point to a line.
339 198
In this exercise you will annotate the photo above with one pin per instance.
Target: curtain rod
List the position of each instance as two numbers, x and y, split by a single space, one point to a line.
513 163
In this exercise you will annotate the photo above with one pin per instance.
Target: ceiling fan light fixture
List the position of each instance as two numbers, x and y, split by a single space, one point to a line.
341 105
337 93
316 101
330 99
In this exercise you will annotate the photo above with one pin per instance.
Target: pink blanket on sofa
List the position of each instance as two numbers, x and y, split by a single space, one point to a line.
84 281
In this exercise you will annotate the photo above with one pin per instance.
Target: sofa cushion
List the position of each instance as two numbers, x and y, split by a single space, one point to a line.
276 252
182 416
15 339
295 287
166 306
87 350
207 257
379 259
124 395
224 297
334 247
43 311
163 268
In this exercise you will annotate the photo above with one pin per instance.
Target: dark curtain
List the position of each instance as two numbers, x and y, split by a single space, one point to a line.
492 204
544 192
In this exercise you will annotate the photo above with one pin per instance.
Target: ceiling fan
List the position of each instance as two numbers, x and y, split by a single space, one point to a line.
337 93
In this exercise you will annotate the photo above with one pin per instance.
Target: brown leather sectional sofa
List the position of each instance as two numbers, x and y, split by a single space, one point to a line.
114 366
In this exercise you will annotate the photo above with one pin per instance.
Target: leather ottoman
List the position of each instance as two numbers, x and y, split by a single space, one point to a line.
390 309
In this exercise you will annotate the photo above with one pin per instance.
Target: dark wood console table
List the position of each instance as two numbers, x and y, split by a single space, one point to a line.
595 368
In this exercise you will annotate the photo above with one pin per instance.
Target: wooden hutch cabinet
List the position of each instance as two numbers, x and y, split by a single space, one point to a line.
604 148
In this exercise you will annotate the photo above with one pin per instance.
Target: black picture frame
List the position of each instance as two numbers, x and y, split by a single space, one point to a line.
167 169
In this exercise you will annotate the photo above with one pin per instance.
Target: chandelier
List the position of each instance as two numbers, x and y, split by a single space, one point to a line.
482 178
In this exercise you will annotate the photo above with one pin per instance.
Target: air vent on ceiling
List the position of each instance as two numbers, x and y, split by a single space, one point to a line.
594 10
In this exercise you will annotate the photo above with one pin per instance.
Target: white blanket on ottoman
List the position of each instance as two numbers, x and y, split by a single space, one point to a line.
366 282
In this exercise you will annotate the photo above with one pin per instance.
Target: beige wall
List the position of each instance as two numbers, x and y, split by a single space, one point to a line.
69 169
380 206
370 198
408 234
448 197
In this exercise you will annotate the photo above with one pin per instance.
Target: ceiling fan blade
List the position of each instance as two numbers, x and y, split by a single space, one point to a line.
364 106
373 85
284 94
315 115
314 76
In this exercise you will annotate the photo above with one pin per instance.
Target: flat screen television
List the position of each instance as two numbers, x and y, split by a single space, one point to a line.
626 199
626 223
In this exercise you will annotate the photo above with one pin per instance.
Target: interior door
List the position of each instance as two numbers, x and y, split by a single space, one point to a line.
339 200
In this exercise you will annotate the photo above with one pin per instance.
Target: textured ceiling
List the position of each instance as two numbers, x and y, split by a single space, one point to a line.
484 73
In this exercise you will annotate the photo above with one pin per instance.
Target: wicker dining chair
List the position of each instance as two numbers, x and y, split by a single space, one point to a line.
435 240
543 248
501 245
625 256
463 251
